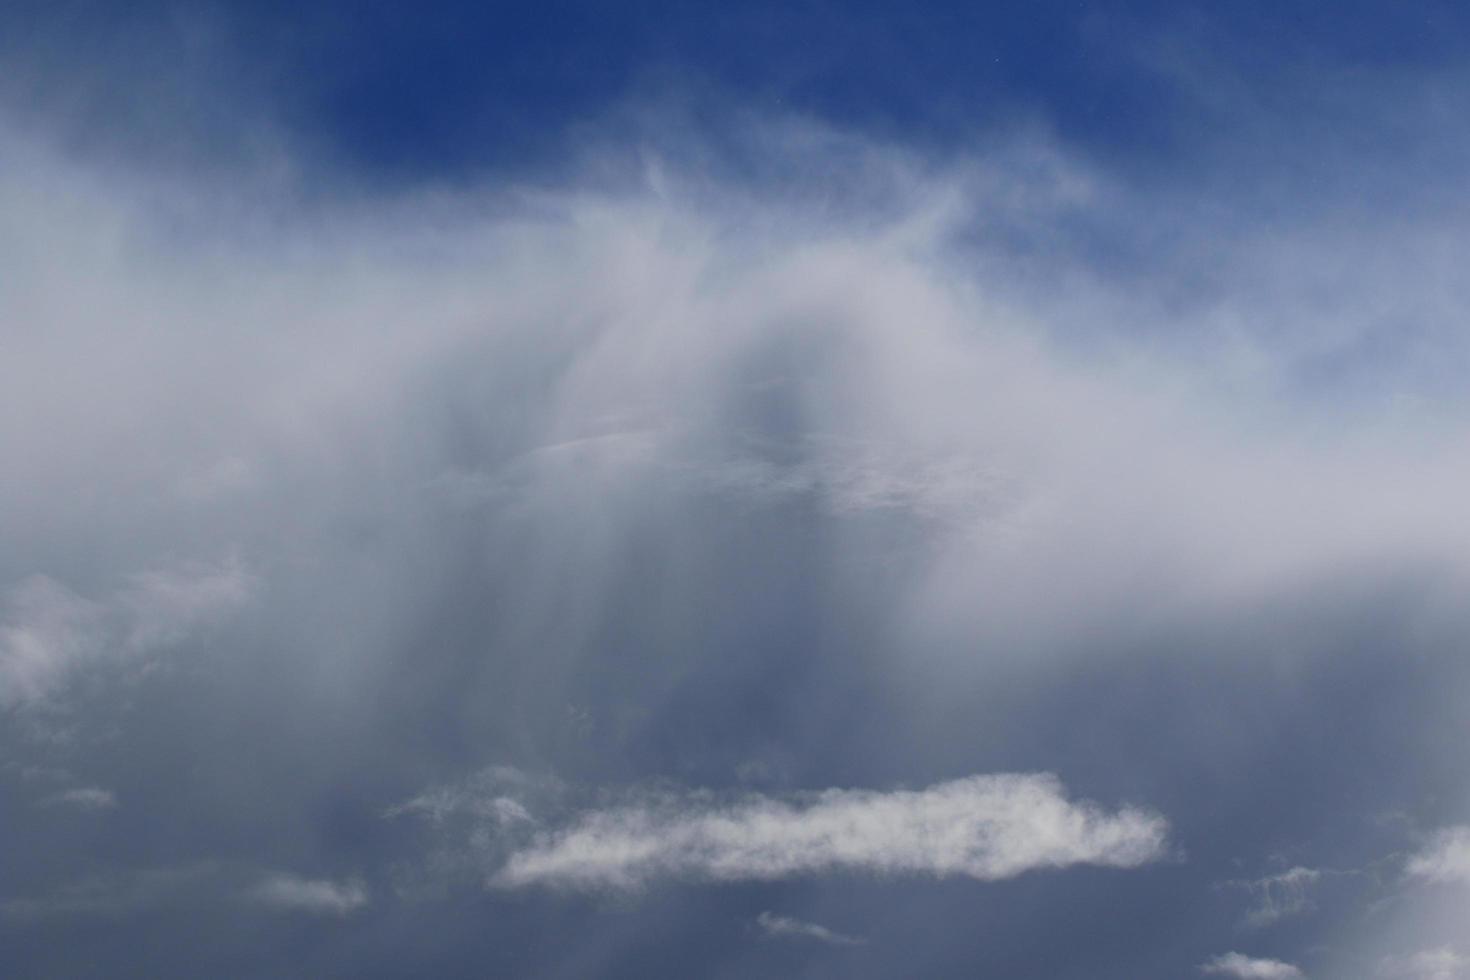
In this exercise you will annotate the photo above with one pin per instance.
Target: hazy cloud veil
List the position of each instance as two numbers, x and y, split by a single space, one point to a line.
1017 564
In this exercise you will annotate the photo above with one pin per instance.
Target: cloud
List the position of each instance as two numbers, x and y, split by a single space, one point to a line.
83 798
719 342
983 827
1249 968
455 426
775 926
1445 858
490 794
123 893
163 606
46 632
1443 963
1280 895
1418 906
49 634
292 893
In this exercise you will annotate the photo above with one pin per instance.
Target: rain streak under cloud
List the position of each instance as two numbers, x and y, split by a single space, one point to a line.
701 533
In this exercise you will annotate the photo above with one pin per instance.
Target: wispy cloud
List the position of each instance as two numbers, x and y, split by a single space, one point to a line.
775 926
983 827
48 633
887 363
83 798
293 893
490 794
161 606
123 893
1280 895
1245 967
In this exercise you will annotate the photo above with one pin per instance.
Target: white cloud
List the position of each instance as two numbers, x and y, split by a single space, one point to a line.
1422 909
1249 968
293 893
775 926
983 827
1446 857
922 377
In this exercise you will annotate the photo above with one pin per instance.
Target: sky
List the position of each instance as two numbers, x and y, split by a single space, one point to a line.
748 490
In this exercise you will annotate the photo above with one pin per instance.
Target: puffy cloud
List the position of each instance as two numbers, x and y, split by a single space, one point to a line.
983 827
775 926
1249 968
1444 858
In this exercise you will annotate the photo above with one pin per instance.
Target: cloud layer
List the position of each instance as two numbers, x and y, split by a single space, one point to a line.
868 470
